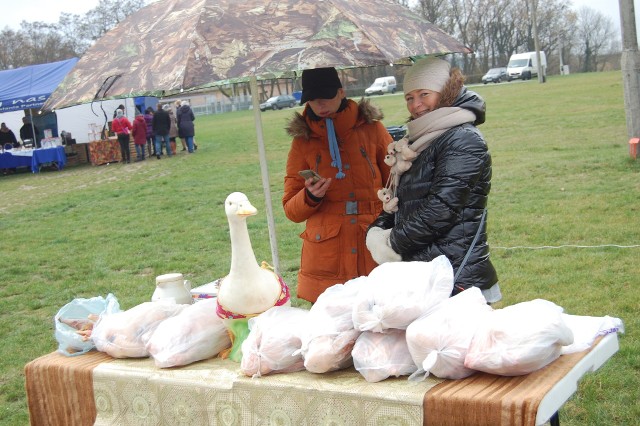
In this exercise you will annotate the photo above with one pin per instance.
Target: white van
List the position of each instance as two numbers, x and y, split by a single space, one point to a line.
381 86
525 65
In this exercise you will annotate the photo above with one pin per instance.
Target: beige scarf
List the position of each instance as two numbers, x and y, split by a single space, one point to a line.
421 132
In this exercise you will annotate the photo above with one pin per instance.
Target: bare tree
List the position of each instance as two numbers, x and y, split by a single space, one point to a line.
39 42
594 34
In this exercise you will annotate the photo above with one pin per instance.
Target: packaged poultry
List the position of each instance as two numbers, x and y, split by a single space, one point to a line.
329 338
194 334
378 356
125 334
273 344
438 342
397 293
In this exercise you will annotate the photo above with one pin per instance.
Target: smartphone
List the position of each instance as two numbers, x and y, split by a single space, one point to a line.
307 174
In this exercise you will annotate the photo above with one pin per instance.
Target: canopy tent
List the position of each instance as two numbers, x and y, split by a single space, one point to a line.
29 87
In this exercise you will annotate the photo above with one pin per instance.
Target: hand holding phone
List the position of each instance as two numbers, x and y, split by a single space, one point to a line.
310 174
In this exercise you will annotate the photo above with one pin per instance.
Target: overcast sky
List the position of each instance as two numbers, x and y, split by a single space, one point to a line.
15 11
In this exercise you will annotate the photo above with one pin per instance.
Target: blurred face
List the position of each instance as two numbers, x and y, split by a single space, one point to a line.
421 102
326 107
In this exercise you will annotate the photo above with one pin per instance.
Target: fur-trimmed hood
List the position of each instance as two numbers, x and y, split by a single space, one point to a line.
298 127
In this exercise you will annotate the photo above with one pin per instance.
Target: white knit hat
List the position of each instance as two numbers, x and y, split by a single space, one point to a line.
428 73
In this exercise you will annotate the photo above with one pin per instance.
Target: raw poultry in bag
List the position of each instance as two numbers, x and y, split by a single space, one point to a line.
328 339
273 344
519 339
194 334
378 356
438 342
125 334
397 293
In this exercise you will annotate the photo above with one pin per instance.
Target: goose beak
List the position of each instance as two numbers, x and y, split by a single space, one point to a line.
246 209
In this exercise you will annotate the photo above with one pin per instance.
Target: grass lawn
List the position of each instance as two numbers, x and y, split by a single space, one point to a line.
563 222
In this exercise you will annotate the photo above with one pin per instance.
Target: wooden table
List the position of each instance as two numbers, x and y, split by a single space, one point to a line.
64 390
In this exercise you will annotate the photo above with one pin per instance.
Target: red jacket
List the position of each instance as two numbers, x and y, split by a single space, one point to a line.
139 130
121 125
333 242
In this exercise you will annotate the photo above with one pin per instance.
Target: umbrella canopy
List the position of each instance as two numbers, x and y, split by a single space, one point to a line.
175 45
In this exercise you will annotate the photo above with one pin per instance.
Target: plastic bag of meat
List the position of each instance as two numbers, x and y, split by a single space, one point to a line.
329 337
397 293
519 339
438 342
378 356
273 344
74 323
194 334
125 334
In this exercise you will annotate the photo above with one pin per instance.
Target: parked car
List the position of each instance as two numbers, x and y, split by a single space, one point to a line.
279 102
495 75
381 86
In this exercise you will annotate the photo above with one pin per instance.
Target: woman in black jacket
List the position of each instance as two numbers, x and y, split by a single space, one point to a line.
435 201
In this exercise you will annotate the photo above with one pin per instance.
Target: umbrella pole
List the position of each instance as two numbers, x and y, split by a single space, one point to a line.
265 174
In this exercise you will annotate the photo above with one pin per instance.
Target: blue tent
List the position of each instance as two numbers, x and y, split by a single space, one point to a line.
30 87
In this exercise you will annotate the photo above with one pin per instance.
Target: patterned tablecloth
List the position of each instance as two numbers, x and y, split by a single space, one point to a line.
76 390
135 392
103 152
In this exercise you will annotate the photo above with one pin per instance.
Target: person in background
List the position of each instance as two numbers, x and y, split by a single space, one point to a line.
345 142
186 128
115 112
139 132
173 130
441 181
121 126
29 132
148 119
161 126
182 140
8 137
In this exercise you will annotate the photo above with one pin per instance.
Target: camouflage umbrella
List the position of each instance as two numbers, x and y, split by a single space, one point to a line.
176 45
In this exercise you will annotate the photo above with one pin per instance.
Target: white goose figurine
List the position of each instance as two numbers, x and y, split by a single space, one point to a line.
249 289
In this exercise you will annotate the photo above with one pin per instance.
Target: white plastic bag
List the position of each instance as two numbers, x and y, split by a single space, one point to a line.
378 356
438 342
398 293
125 334
329 337
273 344
519 339
74 323
194 334
586 329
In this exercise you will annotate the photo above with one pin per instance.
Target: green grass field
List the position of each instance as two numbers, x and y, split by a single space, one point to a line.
562 176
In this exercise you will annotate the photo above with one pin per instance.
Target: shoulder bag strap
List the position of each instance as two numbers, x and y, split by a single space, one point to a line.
473 244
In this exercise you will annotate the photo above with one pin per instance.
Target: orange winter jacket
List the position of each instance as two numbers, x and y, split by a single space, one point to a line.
333 242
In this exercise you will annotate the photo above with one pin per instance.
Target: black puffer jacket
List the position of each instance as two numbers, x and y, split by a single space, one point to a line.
442 198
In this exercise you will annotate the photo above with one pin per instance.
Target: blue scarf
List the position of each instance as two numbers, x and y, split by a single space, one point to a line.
336 161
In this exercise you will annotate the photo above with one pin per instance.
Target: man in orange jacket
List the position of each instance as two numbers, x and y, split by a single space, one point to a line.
345 143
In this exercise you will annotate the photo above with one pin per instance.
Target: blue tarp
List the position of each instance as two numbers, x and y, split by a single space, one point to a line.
30 87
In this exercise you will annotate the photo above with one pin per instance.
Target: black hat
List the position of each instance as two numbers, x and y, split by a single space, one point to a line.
319 83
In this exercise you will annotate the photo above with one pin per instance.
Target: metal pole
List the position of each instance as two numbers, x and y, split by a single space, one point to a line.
33 130
536 43
630 62
253 83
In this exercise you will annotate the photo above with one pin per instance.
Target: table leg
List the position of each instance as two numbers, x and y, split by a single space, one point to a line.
555 419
